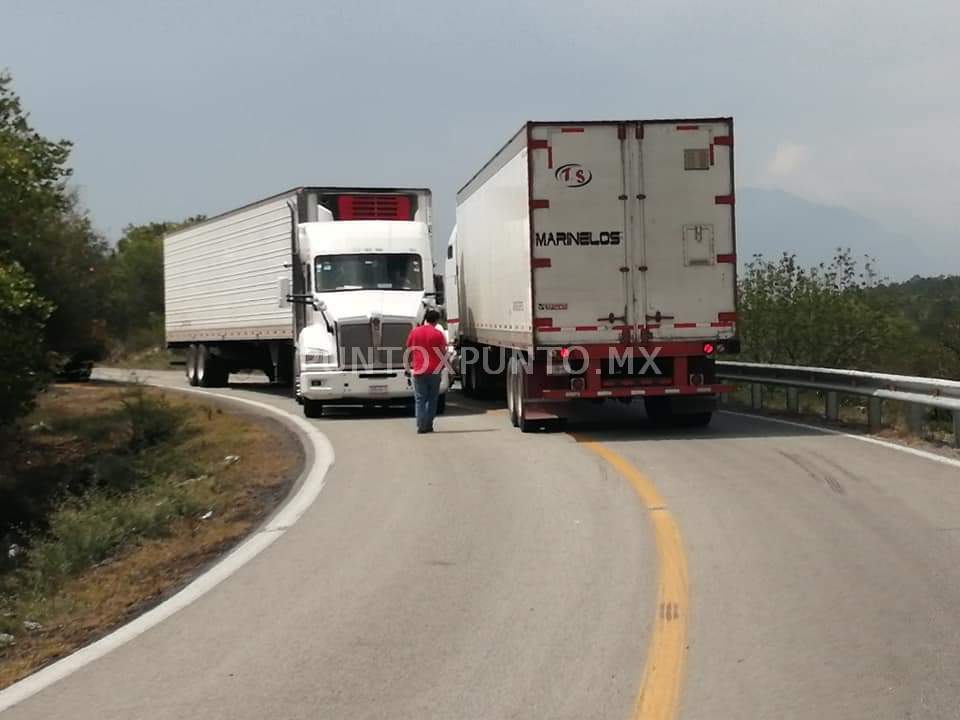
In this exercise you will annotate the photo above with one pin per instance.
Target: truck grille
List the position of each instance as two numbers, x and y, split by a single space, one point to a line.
357 348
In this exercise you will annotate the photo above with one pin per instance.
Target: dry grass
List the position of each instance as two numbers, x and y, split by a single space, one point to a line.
75 608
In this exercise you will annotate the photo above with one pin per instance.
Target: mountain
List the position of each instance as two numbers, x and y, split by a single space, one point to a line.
771 222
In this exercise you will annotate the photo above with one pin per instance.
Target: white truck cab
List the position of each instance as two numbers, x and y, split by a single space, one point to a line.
370 282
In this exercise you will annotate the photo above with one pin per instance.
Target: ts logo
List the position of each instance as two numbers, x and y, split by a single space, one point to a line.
573 175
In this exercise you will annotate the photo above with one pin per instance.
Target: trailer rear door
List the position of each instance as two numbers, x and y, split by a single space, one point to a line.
581 275
632 231
685 280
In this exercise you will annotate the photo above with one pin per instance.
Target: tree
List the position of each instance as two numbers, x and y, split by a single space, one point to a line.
23 364
822 316
43 229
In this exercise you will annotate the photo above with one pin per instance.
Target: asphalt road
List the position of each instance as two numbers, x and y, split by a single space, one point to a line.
482 573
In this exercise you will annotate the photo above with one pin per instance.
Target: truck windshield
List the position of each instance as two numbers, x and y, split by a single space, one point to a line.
369 271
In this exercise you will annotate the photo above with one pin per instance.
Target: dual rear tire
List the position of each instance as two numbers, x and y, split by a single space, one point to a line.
204 368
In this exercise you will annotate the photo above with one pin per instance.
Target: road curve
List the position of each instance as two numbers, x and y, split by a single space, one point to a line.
482 573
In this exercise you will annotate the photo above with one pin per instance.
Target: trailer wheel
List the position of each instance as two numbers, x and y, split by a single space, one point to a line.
312 408
191 365
520 391
469 381
512 391
658 410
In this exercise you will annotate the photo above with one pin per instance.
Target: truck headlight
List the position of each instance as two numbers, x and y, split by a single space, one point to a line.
318 356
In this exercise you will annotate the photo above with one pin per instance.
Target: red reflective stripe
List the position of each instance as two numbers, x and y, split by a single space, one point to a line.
540 204
723 200
726 258
452 321
726 323
571 130
684 325
541 262
711 154
727 316
543 322
550 329
723 140
688 127
587 328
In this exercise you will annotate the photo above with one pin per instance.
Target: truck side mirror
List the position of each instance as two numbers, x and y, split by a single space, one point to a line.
284 287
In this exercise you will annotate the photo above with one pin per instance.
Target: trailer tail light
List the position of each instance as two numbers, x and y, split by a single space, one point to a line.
708 349
578 384
373 207
564 352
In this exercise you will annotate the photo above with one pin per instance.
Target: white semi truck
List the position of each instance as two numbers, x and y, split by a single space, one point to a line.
597 261
316 286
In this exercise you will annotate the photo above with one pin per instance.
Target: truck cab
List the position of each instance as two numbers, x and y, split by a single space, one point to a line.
369 281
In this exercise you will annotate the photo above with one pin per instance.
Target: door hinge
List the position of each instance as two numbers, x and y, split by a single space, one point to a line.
642 268
623 197
659 316
641 196
624 269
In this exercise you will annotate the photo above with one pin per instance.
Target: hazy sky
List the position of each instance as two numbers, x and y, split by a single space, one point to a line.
178 108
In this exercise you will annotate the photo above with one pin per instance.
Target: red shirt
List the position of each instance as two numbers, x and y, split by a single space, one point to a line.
427 346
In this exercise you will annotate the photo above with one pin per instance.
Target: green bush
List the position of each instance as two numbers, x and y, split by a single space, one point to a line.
152 420
87 530
23 314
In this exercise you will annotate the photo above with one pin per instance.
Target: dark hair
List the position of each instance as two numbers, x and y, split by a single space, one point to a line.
432 317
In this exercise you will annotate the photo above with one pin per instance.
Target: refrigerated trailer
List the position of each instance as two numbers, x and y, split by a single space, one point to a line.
317 286
597 261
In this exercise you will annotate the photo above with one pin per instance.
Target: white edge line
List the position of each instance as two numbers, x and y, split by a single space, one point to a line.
283 520
862 438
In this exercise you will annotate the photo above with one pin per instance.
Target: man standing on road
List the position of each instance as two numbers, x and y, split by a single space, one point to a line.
426 348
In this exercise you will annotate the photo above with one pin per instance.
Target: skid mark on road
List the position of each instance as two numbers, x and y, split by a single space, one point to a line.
659 695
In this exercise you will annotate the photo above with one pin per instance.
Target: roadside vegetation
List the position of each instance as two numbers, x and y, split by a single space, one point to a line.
111 498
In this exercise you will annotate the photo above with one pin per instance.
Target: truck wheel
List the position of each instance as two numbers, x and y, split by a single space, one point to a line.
190 367
312 408
469 375
658 410
512 391
441 404
520 390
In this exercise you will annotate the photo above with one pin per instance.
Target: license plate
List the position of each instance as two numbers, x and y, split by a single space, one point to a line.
378 389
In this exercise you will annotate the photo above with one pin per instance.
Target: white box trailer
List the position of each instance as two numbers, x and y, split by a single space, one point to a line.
609 246
356 264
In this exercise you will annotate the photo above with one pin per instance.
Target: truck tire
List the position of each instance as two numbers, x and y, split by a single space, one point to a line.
469 380
191 365
512 391
520 391
312 408
658 410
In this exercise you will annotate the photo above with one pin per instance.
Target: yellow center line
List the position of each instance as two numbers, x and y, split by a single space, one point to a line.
659 696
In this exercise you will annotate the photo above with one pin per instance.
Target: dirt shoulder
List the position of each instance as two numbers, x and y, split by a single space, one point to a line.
112 499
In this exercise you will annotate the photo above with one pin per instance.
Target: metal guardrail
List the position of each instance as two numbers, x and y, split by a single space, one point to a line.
916 392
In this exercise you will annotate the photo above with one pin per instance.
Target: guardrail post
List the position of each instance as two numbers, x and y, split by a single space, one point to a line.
793 399
756 396
875 413
833 406
956 428
915 415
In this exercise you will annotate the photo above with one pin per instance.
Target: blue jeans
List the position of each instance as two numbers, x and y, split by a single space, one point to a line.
426 390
